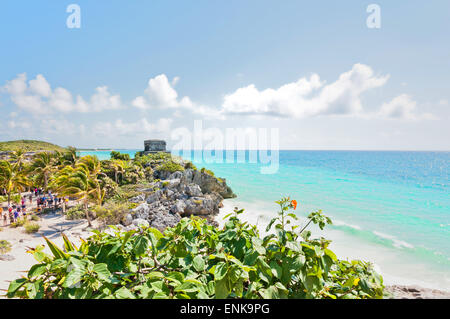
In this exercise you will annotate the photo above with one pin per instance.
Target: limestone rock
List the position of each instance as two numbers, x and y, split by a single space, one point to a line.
128 220
178 207
163 220
139 222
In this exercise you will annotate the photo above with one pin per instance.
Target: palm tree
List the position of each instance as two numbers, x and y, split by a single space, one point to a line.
82 182
44 164
71 155
118 166
12 179
68 157
18 157
78 182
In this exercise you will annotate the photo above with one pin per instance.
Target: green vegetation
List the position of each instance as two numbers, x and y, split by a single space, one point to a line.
112 213
149 158
190 165
31 227
15 198
170 166
119 156
30 146
75 212
12 179
5 247
196 260
18 223
207 171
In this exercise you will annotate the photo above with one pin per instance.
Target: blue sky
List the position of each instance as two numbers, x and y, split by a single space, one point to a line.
314 70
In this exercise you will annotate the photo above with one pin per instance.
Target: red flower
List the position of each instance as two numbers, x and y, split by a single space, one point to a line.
294 204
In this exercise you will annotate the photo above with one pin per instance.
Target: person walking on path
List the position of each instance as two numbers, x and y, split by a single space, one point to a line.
5 216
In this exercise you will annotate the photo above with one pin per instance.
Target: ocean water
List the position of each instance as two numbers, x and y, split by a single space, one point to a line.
392 208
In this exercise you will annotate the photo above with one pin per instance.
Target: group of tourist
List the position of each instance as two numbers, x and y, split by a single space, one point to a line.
13 212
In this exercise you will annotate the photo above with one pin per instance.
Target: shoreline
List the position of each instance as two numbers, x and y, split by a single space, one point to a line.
401 287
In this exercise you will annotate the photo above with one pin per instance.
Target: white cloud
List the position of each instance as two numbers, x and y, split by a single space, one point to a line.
160 94
19 125
40 86
36 96
140 127
402 107
308 96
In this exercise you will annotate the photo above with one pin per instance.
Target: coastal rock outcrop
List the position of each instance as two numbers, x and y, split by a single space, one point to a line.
179 194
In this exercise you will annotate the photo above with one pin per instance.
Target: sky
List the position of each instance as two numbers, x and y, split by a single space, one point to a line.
312 70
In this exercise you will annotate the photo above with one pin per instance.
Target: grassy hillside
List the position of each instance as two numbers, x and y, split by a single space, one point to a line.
29 146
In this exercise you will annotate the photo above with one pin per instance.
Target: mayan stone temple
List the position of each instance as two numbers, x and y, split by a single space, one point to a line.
154 146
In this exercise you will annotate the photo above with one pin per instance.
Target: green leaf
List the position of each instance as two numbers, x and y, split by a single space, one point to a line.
74 277
124 293
221 290
37 270
140 245
257 245
69 246
198 263
155 274
127 237
102 271
276 269
330 254
56 251
220 271
187 287
15 285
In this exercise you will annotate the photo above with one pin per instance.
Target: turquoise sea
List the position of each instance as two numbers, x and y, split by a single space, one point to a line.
392 208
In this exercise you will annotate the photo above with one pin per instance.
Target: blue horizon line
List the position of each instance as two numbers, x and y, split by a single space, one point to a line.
280 150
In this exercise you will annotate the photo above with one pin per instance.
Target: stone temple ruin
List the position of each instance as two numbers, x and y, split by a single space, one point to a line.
154 146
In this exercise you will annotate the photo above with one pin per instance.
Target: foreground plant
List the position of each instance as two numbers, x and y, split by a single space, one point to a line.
197 260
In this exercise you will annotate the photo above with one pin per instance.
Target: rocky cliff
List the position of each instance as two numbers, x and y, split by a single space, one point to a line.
174 195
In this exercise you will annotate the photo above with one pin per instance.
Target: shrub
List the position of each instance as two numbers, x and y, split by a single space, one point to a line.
133 175
20 222
197 260
75 212
109 186
15 198
112 213
35 218
5 247
126 192
120 156
31 227
190 165
170 166
207 171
